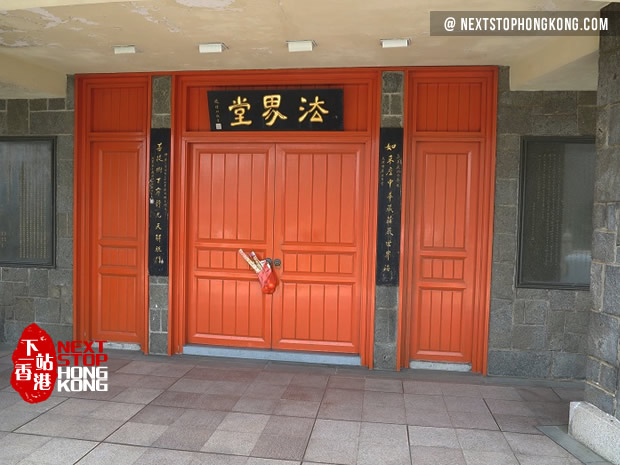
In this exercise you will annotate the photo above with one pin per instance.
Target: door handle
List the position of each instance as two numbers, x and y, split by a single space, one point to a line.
277 262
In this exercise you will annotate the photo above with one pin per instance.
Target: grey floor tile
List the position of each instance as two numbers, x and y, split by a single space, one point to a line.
538 394
134 395
158 415
476 457
137 434
461 390
244 422
421 418
482 441
184 438
517 424
297 408
204 418
198 386
115 411
280 447
107 454
217 402
424 403
253 405
289 427
201 458
384 385
346 382
546 460
383 407
59 451
227 387
499 392
333 441
231 442
276 378
312 394
530 444
509 407
423 455
309 380
165 457
261 461
16 447
382 443
178 399
473 421
422 387
264 390
156 382
429 436
466 404
93 429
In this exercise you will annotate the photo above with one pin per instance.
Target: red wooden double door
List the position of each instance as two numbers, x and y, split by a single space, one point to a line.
300 203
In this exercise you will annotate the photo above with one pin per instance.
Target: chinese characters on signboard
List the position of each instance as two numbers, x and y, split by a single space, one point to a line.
158 200
276 110
388 229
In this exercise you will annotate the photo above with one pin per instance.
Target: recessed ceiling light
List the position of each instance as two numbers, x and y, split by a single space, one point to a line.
395 43
213 47
300 45
124 49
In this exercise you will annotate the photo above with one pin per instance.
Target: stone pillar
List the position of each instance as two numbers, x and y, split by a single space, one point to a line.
595 422
158 285
602 388
386 297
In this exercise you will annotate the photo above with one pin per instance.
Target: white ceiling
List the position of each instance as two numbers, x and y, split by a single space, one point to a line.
52 38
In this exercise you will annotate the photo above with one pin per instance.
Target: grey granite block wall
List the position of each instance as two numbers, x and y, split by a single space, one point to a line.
158 286
43 295
603 349
386 297
533 332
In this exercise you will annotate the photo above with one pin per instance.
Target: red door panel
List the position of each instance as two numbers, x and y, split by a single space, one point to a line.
446 220
318 221
119 203
231 207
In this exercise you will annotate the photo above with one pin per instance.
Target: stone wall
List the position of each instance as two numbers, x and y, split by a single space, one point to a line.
386 297
602 380
43 295
533 332
158 286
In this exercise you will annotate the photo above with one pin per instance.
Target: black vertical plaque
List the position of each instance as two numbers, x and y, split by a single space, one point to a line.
388 216
159 193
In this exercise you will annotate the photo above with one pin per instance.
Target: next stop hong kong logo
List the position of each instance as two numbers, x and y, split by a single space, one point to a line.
39 368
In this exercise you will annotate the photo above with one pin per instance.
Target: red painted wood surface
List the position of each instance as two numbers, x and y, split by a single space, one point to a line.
447 214
447 195
111 282
317 266
319 222
119 246
231 207
315 229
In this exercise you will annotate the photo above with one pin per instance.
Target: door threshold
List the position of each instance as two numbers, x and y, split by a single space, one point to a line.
121 346
274 355
440 366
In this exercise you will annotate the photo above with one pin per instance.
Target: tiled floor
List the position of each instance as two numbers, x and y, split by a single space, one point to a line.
192 410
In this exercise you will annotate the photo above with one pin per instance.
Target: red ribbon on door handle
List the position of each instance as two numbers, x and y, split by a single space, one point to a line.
266 275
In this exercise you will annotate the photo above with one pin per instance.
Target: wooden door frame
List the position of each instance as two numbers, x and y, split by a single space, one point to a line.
179 176
487 139
83 245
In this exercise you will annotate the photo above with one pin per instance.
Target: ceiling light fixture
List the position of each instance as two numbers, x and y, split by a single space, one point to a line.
124 49
300 45
395 43
213 47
